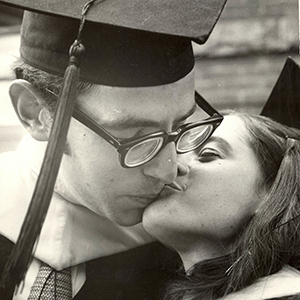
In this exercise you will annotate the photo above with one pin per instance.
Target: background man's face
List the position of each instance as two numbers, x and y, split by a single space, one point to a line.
91 174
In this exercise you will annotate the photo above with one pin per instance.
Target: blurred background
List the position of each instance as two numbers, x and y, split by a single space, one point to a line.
237 68
239 65
10 129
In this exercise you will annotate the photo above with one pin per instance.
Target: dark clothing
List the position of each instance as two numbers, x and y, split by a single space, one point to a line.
137 274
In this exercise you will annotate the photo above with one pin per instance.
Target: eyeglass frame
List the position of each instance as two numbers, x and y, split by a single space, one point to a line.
123 147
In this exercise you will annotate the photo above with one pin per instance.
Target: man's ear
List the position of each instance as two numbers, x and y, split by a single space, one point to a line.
27 102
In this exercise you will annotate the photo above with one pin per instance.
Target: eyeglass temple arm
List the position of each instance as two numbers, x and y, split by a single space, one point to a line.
91 124
202 103
87 121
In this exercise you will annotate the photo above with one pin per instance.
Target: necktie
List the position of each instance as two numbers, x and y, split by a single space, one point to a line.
51 284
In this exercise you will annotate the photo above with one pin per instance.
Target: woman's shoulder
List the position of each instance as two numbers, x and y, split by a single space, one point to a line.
291 297
284 285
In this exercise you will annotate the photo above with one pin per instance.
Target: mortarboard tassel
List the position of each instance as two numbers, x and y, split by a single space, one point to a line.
21 255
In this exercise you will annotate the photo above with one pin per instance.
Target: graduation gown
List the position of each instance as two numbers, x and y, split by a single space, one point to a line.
137 274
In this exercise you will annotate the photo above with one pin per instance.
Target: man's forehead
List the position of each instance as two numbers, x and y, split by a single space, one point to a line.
145 106
129 119
122 115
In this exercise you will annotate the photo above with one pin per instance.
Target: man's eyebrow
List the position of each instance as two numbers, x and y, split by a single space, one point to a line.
188 114
131 122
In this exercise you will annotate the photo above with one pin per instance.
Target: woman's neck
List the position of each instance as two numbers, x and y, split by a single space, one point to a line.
201 251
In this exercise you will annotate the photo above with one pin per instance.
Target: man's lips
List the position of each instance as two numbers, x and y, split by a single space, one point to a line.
145 200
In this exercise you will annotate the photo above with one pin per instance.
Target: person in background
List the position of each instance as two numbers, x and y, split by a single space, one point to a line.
234 216
135 93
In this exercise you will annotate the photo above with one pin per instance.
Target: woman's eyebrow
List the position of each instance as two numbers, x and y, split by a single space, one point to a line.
223 144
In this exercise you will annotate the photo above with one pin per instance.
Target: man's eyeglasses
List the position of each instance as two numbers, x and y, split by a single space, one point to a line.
138 151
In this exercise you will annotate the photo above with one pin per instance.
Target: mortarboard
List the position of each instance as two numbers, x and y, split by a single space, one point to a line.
126 43
136 43
283 104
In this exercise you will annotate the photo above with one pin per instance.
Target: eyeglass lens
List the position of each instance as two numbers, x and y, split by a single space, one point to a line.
193 138
189 140
143 151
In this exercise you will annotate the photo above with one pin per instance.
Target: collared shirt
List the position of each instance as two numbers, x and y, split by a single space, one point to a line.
71 234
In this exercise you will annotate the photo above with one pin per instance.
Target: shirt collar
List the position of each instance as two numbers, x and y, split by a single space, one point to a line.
71 234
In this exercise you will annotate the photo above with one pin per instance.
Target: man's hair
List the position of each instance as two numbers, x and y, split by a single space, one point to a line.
272 237
48 84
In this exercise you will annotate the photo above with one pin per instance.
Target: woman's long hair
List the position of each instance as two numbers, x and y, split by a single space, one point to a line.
272 238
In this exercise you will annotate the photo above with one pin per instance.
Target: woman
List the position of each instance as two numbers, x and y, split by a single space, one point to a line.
234 218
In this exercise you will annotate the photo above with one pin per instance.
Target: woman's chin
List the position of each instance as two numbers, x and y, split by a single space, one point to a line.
153 218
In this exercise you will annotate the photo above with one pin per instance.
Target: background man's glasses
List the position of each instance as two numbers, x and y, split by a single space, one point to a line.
138 151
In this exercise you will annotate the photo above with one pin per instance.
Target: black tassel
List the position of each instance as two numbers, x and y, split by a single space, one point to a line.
21 256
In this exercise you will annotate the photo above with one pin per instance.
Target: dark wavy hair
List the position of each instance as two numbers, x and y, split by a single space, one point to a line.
271 239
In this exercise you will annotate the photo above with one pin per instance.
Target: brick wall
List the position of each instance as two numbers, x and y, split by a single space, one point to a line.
240 83
244 55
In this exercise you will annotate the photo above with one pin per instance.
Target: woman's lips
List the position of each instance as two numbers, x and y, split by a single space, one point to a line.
176 186
172 188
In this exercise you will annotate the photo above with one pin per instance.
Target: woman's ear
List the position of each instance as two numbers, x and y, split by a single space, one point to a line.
27 102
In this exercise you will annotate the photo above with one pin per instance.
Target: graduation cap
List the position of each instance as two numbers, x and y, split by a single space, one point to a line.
110 42
283 104
136 43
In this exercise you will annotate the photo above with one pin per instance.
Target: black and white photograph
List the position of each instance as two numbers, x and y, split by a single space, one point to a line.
149 150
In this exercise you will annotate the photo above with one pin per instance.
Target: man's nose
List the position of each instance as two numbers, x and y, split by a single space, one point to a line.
164 165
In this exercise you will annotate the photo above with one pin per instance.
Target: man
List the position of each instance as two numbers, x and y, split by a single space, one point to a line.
136 78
